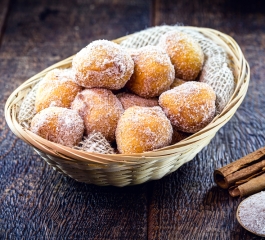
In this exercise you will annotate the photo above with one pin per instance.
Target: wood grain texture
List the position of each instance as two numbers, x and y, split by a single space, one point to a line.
217 14
38 203
35 201
187 204
4 6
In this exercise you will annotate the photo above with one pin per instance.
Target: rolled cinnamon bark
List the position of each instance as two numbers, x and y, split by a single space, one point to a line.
244 176
225 179
253 186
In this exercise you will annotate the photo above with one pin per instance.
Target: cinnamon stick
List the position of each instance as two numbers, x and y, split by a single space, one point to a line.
244 176
252 186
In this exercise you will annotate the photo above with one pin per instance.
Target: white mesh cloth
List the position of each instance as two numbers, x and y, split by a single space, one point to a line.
95 142
215 70
27 108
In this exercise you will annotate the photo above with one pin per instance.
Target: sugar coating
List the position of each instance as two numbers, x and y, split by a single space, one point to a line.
128 100
177 82
190 106
100 110
252 213
153 72
217 69
142 129
185 54
57 89
178 135
104 64
59 125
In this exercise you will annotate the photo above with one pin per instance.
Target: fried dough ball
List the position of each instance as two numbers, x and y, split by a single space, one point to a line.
57 89
190 106
142 129
100 110
177 82
153 72
185 54
178 135
128 100
59 125
103 64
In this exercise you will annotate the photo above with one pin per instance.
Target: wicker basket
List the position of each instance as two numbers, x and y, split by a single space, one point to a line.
121 169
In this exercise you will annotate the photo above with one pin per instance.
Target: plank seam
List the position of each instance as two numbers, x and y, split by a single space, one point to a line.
4 22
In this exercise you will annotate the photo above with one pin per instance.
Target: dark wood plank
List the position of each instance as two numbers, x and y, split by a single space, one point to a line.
187 204
38 203
35 201
207 13
54 30
4 6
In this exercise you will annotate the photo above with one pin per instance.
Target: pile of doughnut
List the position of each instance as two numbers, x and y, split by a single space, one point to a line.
139 99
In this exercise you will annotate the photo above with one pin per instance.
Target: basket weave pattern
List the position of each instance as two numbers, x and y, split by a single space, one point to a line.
120 169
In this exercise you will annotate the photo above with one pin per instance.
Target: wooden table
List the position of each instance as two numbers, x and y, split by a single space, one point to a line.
39 203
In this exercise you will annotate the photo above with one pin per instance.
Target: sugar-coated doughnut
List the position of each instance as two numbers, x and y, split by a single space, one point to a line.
57 89
153 72
103 64
100 110
128 100
178 135
185 54
59 125
142 129
177 82
190 106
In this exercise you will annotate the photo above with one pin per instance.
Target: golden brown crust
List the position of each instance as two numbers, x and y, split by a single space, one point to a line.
142 129
57 89
128 100
153 72
190 106
185 54
103 64
100 109
178 135
177 82
59 125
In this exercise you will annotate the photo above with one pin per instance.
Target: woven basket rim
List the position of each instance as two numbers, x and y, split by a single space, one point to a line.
242 75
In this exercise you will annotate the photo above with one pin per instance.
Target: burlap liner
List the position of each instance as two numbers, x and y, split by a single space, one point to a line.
95 142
